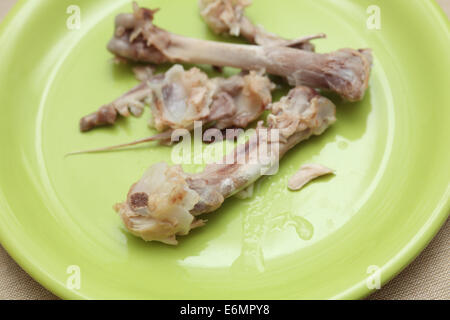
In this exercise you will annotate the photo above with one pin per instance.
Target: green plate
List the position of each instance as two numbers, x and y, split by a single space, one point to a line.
390 152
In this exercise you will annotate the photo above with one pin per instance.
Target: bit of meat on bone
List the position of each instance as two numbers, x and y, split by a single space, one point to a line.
227 17
132 102
345 71
106 115
175 199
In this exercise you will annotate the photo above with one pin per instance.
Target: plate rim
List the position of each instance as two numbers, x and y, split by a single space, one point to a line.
391 268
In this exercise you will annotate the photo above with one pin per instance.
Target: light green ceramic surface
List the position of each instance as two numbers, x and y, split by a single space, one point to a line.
390 152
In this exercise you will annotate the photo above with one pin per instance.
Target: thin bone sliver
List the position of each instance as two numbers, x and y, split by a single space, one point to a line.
307 173
158 137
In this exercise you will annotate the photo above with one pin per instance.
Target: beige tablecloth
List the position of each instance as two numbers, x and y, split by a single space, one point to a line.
428 277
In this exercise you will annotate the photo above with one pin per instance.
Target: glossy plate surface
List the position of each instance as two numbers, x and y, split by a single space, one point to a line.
390 152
